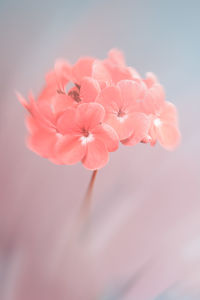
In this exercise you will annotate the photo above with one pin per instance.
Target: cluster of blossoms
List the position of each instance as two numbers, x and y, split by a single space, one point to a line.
86 109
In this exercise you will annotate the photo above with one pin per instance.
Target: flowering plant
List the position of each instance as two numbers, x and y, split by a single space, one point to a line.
107 103
85 110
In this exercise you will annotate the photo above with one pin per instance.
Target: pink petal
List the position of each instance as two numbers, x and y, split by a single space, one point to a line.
134 74
32 124
63 72
47 93
89 115
63 69
42 141
35 112
51 79
66 123
45 111
131 91
107 135
153 133
60 103
69 150
22 100
60 75
151 79
140 127
89 89
169 113
96 156
168 136
116 57
82 68
154 99
123 128
110 98
51 102
118 72
100 72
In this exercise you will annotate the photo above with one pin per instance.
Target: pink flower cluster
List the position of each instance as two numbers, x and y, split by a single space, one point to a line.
86 109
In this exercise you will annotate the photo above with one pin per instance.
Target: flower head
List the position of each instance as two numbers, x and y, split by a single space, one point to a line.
85 109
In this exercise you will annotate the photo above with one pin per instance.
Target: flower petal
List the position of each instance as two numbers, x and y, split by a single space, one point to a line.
118 72
42 141
89 89
134 74
66 123
152 133
22 100
89 115
82 68
100 72
36 112
131 91
57 78
69 149
96 156
63 69
168 136
122 126
151 79
154 99
116 57
140 127
107 135
110 98
169 113
60 103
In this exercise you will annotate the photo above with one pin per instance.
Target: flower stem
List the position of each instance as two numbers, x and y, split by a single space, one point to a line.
87 202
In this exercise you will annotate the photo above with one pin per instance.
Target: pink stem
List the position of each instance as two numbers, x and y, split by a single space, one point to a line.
87 202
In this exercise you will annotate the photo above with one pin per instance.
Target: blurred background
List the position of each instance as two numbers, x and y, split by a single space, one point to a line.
145 237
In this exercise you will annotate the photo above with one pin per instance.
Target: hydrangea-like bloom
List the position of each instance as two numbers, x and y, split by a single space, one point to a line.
85 109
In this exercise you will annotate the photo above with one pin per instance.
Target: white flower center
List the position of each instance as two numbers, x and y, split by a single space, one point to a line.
86 139
157 122
123 118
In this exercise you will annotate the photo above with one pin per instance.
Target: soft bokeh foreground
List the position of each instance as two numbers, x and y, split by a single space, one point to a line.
143 241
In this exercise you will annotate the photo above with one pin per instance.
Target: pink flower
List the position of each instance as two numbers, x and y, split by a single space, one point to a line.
85 89
53 97
122 113
150 79
86 92
42 131
59 77
164 127
88 76
77 134
85 137
164 119
85 109
82 68
113 69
